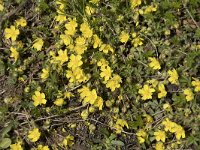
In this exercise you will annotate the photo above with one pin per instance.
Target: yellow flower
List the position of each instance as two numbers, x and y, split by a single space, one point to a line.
137 41
141 135
21 22
99 103
66 39
179 132
135 3
59 102
154 63
71 27
68 95
14 53
148 118
38 43
60 18
114 82
160 135
80 49
75 61
89 10
153 82
16 146
88 96
173 76
159 146
146 92
80 41
102 63
34 135
120 124
169 125
162 90
86 31
97 41
150 9
1 6
12 33
39 98
68 141
106 73
167 107
76 74
189 94
124 37
84 114
62 57
44 74
174 128
40 147
91 97
106 48
196 84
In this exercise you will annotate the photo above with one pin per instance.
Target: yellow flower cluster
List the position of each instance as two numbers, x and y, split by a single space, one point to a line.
159 146
160 135
86 30
174 128
21 22
111 82
137 41
196 84
75 73
119 125
154 63
34 135
90 96
162 92
149 88
60 59
105 48
45 74
38 43
60 100
135 3
41 147
150 8
60 18
16 146
189 94
12 33
89 10
173 76
141 135
14 53
68 141
96 41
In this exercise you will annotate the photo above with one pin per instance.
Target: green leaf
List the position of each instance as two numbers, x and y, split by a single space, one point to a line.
5 143
6 130
117 142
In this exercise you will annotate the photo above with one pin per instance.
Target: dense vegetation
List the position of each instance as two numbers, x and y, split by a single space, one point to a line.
99 74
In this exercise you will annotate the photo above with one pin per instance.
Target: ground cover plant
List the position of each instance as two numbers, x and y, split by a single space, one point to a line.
99 74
